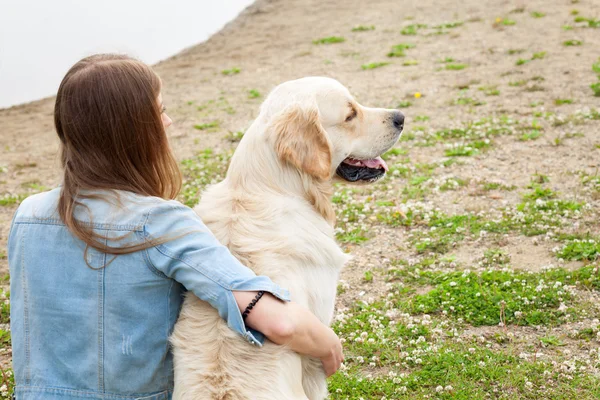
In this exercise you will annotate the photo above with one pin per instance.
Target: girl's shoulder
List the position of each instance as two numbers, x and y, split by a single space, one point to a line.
102 208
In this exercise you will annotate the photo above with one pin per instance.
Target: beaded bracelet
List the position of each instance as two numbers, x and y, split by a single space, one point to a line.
252 303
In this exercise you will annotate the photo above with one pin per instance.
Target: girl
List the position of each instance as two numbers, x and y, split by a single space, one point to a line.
99 265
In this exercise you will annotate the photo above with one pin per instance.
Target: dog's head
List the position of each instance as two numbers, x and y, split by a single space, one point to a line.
317 127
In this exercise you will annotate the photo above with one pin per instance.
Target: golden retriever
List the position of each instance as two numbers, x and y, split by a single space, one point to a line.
273 212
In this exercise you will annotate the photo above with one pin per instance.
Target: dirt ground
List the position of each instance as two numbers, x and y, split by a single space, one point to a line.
272 41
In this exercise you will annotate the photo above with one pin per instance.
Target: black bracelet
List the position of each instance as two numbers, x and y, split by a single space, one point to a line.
252 304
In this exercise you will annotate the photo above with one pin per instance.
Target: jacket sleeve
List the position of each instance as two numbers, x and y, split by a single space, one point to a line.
196 259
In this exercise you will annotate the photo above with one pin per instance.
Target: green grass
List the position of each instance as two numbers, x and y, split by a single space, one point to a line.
584 249
531 135
535 88
508 22
449 25
538 217
460 372
560 102
522 82
363 28
253 94
207 126
232 71
399 49
452 184
11 200
456 67
34 186
537 14
540 211
490 90
572 43
496 186
350 228
412 29
235 136
468 101
329 40
200 171
374 65
502 295
408 344
536 56
408 63
551 340
539 192
5 338
595 88
591 22
4 307
464 150
404 104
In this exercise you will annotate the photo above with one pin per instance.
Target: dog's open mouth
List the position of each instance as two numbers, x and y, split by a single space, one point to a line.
354 170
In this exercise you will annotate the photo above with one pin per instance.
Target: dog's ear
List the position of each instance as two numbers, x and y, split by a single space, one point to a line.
301 141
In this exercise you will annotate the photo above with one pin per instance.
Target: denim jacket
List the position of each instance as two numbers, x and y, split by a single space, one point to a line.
85 332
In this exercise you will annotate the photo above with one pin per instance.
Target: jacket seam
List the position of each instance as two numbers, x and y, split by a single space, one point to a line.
147 259
167 253
25 311
132 396
167 326
101 322
96 225
151 266
163 249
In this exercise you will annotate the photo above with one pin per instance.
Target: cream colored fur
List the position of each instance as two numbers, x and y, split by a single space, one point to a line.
273 212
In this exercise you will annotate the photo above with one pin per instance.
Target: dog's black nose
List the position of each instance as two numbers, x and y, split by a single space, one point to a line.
398 120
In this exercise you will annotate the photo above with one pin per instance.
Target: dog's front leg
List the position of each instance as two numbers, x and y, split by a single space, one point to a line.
314 380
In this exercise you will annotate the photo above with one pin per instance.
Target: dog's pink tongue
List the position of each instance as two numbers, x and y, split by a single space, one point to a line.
376 163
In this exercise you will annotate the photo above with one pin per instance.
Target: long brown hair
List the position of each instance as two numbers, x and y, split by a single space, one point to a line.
112 138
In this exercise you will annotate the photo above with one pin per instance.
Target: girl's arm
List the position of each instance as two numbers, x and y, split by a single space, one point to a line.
196 259
295 326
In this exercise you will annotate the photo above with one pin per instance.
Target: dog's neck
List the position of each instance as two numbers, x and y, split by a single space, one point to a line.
255 168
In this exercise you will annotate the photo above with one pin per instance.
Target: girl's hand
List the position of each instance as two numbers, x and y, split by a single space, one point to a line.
294 326
333 361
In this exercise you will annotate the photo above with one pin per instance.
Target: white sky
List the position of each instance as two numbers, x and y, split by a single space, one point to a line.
41 39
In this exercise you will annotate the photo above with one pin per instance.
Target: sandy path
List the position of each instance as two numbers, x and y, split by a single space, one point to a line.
272 42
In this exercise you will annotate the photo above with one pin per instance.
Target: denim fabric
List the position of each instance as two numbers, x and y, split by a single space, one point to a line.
86 332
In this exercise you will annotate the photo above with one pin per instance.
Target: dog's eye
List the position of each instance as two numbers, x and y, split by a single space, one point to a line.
352 115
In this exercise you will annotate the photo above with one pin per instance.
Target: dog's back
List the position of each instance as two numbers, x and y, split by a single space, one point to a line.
286 240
